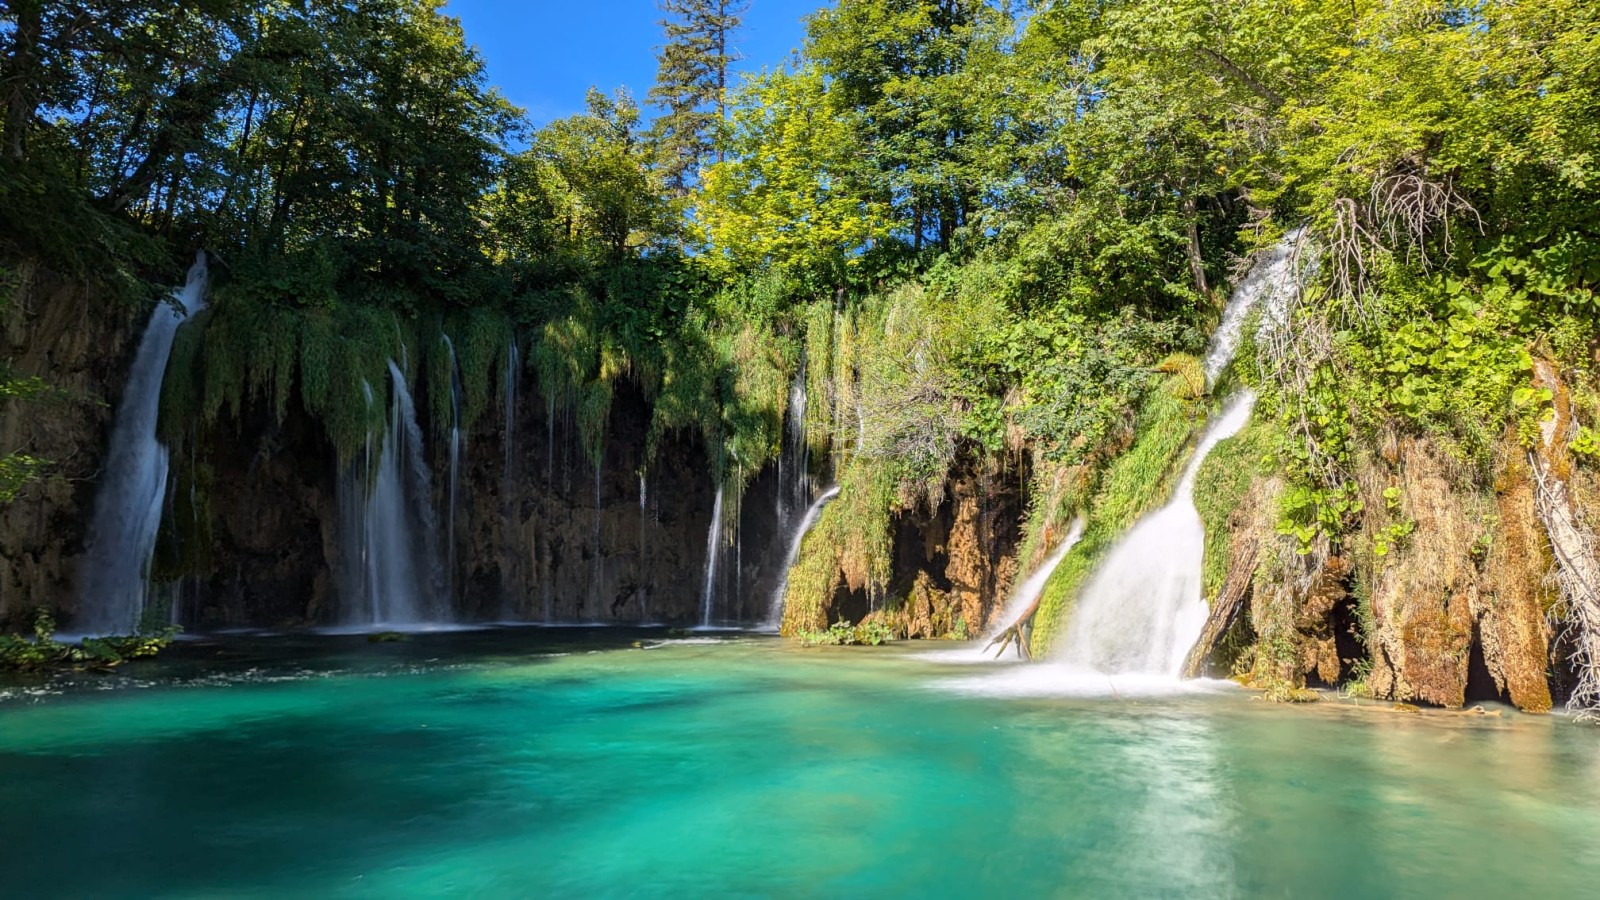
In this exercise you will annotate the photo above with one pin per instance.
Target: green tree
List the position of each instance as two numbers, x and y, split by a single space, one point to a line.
606 195
911 75
789 196
692 83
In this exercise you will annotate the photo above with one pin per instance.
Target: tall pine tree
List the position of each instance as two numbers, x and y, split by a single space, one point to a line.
692 82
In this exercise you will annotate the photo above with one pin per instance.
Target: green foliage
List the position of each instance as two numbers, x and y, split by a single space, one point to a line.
787 197
17 470
1586 445
596 169
692 83
1222 483
42 653
870 633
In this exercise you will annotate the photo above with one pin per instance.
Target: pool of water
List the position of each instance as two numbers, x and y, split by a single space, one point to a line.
573 763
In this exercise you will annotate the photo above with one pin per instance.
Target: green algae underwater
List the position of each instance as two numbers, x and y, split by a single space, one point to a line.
602 763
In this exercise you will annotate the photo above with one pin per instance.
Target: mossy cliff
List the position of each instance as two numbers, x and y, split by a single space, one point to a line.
77 339
1445 589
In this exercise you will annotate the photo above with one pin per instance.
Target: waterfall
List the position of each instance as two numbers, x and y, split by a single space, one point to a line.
1273 279
1023 595
794 491
513 370
455 468
1143 610
392 575
113 584
511 559
775 613
599 556
644 497
713 545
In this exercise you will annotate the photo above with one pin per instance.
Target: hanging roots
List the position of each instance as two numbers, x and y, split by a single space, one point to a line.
1348 249
1405 208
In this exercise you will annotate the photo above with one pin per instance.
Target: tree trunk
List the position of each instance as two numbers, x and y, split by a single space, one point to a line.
21 76
1197 263
1229 603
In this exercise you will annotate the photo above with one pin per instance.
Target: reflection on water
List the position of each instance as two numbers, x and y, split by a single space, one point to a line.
536 763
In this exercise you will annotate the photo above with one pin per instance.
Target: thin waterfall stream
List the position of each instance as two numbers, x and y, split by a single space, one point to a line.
114 583
455 469
513 373
807 522
713 546
1025 595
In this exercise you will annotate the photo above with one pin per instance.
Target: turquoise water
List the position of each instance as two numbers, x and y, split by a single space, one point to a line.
544 764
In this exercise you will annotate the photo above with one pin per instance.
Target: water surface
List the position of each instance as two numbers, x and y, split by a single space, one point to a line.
569 763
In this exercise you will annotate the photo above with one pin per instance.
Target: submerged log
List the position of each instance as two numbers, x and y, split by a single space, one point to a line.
1229 603
1016 632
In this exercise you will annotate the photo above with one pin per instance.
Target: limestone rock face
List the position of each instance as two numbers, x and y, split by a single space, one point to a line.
546 541
565 544
1512 626
981 550
261 547
79 343
1423 590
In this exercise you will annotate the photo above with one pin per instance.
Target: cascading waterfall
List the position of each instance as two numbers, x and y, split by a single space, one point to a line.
1143 609
113 585
392 574
807 522
1268 286
713 547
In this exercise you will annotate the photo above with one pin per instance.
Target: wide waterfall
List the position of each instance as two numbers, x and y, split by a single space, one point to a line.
775 615
392 575
113 583
1143 609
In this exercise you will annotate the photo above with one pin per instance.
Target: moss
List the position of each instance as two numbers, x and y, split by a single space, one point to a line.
180 387
594 410
819 335
1220 486
1058 494
1134 483
478 350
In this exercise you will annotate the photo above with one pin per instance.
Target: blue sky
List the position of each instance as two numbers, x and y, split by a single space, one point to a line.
544 54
